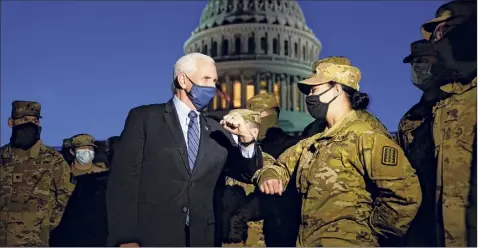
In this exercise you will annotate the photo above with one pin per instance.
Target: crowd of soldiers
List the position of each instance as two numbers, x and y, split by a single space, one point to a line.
421 184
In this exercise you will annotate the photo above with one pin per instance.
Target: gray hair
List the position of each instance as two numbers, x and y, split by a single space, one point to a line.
187 64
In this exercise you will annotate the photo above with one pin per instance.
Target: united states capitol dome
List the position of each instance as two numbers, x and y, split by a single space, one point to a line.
220 12
259 46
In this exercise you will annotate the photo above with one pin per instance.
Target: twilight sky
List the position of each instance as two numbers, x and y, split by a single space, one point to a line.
88 63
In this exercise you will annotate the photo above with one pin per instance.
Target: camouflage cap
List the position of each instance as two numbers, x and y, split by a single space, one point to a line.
25 108
339 60
337 69
262 101
248 115
82 140
420 48
446 12
66 143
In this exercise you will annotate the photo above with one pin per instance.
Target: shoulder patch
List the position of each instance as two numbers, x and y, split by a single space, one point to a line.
389 156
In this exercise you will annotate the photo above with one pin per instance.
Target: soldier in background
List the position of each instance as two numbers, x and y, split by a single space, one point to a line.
272 139
248 212
34 181
281 213
240 217
453 34
85 221
415 136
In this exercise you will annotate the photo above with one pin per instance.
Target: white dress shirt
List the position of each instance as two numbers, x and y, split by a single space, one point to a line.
183 111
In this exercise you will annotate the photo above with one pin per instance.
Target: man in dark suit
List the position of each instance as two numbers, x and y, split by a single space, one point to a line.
169 160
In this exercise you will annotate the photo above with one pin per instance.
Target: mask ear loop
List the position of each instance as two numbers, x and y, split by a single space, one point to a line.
335 97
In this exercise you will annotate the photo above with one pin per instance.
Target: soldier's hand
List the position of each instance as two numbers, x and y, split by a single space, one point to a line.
271 187
129 245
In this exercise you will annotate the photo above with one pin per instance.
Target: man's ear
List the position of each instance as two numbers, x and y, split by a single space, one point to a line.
10 122
72 152
181 81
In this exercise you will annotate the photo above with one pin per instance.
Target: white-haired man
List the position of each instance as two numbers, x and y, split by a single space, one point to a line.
169 159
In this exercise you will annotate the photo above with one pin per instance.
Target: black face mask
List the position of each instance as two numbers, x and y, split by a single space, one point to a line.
427 77
25 135
316 108
457 49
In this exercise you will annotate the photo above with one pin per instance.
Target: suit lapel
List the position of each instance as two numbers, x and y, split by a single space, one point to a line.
174 126
204 146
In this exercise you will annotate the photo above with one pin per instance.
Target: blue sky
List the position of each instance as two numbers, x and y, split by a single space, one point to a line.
89 62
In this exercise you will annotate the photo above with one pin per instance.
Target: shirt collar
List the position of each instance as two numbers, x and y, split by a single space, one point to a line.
182 108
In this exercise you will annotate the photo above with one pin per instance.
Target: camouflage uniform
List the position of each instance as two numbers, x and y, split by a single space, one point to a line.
86 140
34 189
255 237
454 119
262 102
355 181
84 223
248 115
272 138
415 136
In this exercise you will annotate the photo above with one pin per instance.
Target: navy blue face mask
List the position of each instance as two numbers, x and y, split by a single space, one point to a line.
201 96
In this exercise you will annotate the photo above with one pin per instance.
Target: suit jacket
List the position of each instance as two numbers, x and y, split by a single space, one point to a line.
151 188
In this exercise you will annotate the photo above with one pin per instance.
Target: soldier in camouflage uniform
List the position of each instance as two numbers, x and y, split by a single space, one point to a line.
272 139
355 181
83 147
237 230
280 213
85 222
270 218
415 136
34 181
452 121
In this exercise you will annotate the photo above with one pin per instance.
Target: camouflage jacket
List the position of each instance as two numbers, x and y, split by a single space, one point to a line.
415 136
35 189
453 134
334 172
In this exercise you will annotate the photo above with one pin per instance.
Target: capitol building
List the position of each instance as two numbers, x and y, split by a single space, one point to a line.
259 46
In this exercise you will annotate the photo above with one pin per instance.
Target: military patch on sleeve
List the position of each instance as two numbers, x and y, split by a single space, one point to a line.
389 156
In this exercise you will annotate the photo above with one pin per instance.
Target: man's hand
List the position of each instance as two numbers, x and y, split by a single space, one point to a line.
129 245
235 124
271 187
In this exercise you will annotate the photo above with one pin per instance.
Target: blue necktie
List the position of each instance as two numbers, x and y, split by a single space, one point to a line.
193 138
